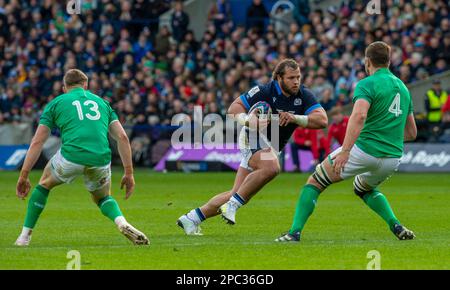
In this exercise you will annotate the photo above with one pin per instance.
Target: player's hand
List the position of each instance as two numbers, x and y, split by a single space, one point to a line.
23 187
339 161
128 181
256 123
286 118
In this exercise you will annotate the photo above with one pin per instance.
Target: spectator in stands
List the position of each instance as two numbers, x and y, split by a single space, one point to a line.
140 140
257 16
8 101
37 45
338 127
301 11
441 66
327 101
321 87
179 21
445 137
309 140
149 10
220 13
301 141
434 101
141 47
163 43
446 44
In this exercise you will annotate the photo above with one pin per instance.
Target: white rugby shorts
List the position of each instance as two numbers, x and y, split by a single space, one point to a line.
369 171
249 145
65 171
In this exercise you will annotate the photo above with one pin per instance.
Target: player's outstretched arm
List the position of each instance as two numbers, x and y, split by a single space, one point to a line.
39 138
317 119
123 145
354 127
410 129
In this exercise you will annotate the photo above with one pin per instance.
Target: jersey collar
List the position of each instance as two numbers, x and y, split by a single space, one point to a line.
277 86
383 70
77 89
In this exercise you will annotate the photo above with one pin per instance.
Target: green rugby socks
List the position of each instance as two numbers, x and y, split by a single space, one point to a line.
109 208
36 205
305 207
379 204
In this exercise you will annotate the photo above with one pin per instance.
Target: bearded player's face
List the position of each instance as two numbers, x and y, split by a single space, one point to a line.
290 81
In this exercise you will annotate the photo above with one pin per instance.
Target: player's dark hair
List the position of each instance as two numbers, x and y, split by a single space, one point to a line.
280 69
379 53
74 77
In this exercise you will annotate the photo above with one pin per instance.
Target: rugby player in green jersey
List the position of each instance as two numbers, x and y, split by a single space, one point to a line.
382 119
84 121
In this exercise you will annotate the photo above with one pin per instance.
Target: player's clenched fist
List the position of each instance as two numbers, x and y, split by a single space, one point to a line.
257 123
286 118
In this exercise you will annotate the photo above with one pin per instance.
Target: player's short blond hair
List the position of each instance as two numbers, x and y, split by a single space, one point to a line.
74 77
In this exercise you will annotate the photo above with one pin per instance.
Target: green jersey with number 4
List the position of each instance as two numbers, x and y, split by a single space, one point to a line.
390 105
83 119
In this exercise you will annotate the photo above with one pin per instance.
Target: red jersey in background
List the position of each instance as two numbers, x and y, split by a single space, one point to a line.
337 131
313 138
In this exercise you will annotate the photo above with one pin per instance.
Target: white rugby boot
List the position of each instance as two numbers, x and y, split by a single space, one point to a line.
189 226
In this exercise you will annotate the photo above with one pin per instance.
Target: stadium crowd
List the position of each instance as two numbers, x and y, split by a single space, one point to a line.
149 72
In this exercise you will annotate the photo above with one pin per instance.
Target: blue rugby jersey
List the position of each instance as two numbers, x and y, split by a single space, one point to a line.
303 103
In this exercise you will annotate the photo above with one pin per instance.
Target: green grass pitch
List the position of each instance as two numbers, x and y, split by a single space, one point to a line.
339 234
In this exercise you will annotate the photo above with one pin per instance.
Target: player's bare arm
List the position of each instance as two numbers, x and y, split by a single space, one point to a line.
23 184
355 125
123 145
410 129
237 107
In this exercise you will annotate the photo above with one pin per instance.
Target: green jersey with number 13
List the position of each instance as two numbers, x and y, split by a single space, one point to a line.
83 119
390 105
